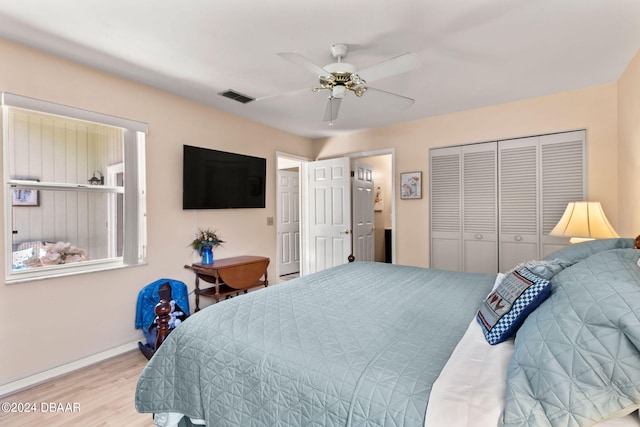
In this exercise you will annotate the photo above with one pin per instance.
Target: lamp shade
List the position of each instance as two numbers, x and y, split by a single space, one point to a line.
584 221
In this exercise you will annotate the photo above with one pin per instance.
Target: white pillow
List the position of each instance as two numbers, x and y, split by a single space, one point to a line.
499 279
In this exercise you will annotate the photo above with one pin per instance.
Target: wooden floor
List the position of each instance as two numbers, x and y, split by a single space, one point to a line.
98 395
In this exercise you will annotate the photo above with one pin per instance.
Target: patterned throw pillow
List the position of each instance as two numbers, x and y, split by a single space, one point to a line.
545 268
504 310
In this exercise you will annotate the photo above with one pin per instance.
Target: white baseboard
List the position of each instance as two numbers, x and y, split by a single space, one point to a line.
12 387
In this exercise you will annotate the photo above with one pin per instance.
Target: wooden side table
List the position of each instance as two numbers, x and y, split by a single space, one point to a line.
230 276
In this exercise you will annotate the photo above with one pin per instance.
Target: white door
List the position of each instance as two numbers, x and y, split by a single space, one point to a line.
363 220
479 208
518 201
289 221
445 206
562 166
328 213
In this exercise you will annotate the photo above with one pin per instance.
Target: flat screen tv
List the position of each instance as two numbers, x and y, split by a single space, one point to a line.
215 179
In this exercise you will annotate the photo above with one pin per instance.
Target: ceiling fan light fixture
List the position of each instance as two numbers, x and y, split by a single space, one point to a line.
359 91
356 84
340 77
327 82
339 91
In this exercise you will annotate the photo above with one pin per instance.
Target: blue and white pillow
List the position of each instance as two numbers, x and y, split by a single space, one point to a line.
545 268
504 310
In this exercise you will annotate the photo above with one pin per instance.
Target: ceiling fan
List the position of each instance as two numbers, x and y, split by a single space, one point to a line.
340 78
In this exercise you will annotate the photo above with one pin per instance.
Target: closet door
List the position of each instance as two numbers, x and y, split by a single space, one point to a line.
445 208
479 208
518 201
563 180
538 176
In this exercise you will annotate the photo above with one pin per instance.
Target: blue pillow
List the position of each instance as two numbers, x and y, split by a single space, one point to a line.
504 310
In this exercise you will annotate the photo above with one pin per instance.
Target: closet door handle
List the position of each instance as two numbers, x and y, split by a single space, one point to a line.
479 236
518 238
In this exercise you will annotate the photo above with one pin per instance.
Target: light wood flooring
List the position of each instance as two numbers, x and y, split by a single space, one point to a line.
104 393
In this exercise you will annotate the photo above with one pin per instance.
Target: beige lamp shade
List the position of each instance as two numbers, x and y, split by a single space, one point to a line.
584 221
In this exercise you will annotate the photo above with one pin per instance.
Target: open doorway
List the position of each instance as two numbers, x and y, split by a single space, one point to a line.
288 222
384 209
383 203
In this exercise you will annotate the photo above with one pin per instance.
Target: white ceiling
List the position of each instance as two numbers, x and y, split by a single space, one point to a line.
473 52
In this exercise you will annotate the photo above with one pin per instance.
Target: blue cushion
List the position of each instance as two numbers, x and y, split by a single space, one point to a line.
504 310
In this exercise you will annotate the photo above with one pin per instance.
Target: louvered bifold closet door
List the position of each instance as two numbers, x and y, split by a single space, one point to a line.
518 201
563 180
445 208
480 208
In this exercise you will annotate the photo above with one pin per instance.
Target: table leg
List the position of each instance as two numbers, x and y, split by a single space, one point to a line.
217 294
197 292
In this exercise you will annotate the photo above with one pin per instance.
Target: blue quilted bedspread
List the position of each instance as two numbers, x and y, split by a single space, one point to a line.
577 356
356 345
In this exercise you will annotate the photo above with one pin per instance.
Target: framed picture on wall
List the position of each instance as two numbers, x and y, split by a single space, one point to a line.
411 185
378 201
25 196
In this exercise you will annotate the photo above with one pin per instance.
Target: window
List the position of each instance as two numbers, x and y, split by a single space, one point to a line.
74 190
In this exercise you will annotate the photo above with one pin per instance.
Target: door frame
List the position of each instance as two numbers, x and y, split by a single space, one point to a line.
303 200
392 153
299 160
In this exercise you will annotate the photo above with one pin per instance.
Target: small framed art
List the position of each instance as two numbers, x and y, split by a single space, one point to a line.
411 185
25 197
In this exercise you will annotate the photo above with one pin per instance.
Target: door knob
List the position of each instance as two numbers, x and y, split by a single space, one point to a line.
347 231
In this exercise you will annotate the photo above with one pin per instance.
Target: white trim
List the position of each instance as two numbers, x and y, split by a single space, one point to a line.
15 386
64 110
64 270
134 245
112 205
56 186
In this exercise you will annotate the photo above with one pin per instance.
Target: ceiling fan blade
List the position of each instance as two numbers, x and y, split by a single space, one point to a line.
399 64
388 99
282 95
331 109
296 58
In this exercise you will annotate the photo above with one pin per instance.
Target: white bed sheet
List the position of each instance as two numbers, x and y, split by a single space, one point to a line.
471 388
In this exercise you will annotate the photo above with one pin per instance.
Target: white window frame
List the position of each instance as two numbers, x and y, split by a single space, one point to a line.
134 239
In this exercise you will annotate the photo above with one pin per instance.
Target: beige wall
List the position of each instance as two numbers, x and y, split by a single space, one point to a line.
57 321
629 149
593 109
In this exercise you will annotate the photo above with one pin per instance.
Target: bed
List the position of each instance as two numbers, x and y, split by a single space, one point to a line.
387 345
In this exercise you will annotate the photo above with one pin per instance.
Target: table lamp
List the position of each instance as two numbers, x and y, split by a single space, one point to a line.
583 221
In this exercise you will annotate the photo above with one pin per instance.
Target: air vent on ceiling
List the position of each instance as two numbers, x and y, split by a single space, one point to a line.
236 96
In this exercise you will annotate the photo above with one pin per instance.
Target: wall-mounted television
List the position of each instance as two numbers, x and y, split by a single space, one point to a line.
215 179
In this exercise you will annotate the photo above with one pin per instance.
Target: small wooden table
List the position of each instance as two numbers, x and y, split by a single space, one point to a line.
230 276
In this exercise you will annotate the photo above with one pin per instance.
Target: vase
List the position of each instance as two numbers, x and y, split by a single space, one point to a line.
207 255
